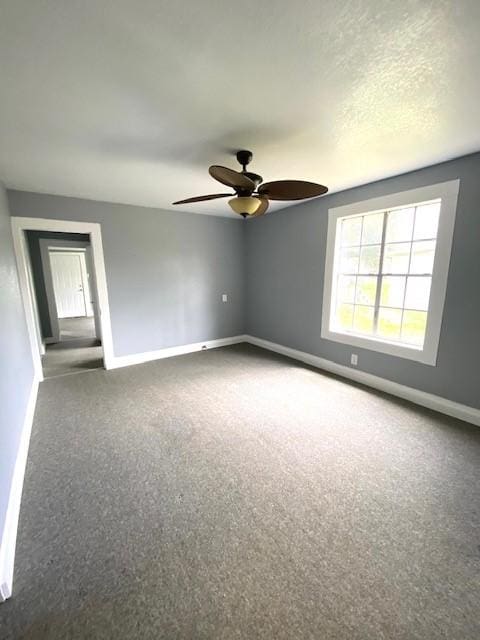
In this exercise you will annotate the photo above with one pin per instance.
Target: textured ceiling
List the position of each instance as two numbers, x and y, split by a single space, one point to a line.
130 101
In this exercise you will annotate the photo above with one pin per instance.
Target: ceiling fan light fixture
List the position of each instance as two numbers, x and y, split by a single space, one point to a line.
246 184
245 205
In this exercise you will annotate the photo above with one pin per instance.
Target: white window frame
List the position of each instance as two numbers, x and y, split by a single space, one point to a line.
448 193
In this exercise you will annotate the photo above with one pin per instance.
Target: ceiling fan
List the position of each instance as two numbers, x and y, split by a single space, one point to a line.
252 195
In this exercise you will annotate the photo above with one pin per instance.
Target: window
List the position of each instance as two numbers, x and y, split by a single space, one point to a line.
386 271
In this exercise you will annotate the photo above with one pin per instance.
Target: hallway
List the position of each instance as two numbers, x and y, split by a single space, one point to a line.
74 356
78 351
73 328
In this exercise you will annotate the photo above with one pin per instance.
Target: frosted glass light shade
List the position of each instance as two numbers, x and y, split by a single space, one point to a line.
245 205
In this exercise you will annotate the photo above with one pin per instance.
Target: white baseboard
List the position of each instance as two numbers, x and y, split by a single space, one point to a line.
9 534
437 403
147 356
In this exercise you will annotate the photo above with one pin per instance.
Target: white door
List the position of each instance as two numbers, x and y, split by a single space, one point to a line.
68 283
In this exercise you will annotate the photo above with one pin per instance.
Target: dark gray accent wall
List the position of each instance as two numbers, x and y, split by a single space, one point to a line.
16 364
33 240
285 259
166 271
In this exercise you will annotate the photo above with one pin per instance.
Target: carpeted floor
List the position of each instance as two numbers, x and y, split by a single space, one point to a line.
234 493
77 352
74 356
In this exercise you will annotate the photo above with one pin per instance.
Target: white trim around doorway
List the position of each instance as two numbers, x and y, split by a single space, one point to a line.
19 227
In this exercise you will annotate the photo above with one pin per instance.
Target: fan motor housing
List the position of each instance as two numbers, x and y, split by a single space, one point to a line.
244 157
254 177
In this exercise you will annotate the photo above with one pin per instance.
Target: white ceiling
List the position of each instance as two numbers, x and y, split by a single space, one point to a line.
131 100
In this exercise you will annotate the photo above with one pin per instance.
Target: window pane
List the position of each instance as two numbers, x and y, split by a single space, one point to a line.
372 228
426 221
366 290
418 293
393 289
400 225
413 327
351 231
423 254
363 319
349 260
389 323
369 259
386 298
396 258
345 316
346 289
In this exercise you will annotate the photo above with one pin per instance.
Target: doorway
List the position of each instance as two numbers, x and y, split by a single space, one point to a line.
65 294
63 284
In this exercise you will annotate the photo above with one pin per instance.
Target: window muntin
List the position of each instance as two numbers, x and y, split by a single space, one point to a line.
383 267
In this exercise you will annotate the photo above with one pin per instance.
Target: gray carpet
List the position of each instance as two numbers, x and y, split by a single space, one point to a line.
236 494
74 356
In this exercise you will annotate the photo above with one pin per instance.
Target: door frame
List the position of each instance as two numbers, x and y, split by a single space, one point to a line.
47 245
93 229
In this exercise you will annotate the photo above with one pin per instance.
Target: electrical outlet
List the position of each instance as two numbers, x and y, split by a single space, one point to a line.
224 297
354 359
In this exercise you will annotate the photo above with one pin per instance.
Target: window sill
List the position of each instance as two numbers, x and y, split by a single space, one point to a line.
422 355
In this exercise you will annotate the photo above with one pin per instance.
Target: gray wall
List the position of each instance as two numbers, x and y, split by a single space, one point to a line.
16 365
285 258
33 240
166 270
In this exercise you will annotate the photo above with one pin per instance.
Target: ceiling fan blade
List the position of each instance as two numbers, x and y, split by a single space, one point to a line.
231 178
262 208
213 196
291 189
